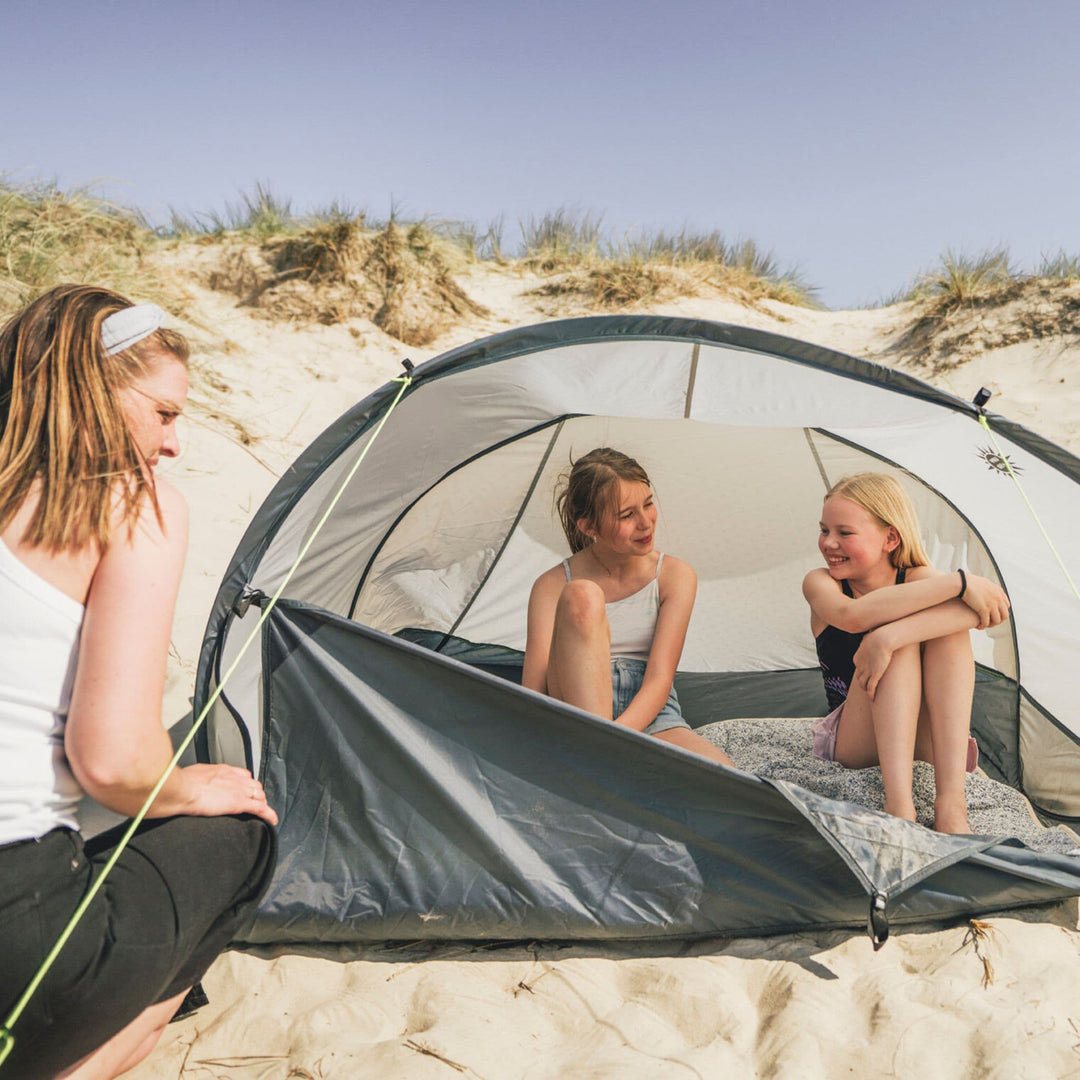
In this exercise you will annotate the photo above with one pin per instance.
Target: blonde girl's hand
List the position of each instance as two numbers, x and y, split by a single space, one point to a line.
872 659
216 790
987 599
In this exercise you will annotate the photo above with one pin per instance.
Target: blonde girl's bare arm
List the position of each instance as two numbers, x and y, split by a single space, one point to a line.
541 622
830 607
678 588
877 647
114 740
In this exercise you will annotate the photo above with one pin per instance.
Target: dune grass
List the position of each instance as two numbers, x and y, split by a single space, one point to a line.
961 277
969 304
588 263
49 236
335 262
1059 267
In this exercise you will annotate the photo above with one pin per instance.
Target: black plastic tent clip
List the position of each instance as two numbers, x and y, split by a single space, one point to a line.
248 597
408 365
877 923
982 396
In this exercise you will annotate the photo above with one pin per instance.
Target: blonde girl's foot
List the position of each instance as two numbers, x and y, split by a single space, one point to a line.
951 816
901 808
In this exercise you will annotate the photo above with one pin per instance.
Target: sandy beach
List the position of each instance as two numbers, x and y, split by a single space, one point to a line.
996 998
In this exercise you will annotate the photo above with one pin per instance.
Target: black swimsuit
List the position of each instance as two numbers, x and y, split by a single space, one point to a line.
836 653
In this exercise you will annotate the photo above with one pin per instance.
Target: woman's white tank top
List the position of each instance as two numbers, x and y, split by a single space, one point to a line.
633 618
39 648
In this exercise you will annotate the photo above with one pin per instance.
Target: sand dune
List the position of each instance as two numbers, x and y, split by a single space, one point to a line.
993 999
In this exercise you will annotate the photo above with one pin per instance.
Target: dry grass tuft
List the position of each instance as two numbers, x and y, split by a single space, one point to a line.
980 936
974 303
560 239
411 269
613 285
962 278
49 236
401 277
1059 267
593 271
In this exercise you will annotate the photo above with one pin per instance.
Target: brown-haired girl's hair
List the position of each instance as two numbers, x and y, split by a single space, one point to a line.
884 498
63 431
590 491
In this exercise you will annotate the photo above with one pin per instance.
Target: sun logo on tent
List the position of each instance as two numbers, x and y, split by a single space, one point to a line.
996 462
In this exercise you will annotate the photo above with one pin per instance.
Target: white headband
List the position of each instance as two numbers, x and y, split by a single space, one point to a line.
129 325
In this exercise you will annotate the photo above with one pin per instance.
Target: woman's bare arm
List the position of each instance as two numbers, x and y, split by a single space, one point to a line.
114 740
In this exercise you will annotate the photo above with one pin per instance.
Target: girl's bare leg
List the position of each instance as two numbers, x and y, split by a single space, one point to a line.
579 664
948 687
882 731
692 741
127 1047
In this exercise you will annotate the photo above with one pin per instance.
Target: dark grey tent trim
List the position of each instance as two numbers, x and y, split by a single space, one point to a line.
404 822
599 328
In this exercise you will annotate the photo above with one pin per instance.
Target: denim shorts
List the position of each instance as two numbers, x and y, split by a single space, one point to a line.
626 679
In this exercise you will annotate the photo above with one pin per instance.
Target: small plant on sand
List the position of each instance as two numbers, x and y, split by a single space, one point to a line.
962 278
477 244
1059 267
560 237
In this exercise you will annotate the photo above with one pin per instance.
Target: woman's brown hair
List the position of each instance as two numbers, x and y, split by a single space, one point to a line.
590 491
63 430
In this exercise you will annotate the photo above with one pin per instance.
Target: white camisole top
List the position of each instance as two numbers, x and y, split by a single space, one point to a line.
633 618
39 648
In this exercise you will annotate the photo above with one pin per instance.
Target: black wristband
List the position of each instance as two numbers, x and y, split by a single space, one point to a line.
963 585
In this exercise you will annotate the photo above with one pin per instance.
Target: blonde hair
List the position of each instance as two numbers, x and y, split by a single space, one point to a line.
63 428
590 491
883 497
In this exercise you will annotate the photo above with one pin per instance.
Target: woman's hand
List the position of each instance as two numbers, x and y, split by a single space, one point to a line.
872 659
987 599
216 790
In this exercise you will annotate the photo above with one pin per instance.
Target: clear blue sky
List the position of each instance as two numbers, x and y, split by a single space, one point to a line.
856 138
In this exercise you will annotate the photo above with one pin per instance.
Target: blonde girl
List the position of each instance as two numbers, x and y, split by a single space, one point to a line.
893 640
606 626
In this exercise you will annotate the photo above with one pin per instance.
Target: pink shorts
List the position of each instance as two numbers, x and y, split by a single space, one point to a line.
824 733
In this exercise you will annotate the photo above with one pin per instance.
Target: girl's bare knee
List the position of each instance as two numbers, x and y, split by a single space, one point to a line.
581 605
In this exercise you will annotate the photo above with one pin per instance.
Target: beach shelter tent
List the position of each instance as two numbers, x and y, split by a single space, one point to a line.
425 795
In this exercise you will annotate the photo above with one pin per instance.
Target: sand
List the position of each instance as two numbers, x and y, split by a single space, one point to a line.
995 998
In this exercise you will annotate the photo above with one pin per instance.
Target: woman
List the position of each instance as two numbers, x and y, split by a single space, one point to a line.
91 548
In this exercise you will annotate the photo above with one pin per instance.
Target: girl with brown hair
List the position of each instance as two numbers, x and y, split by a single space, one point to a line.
606 626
